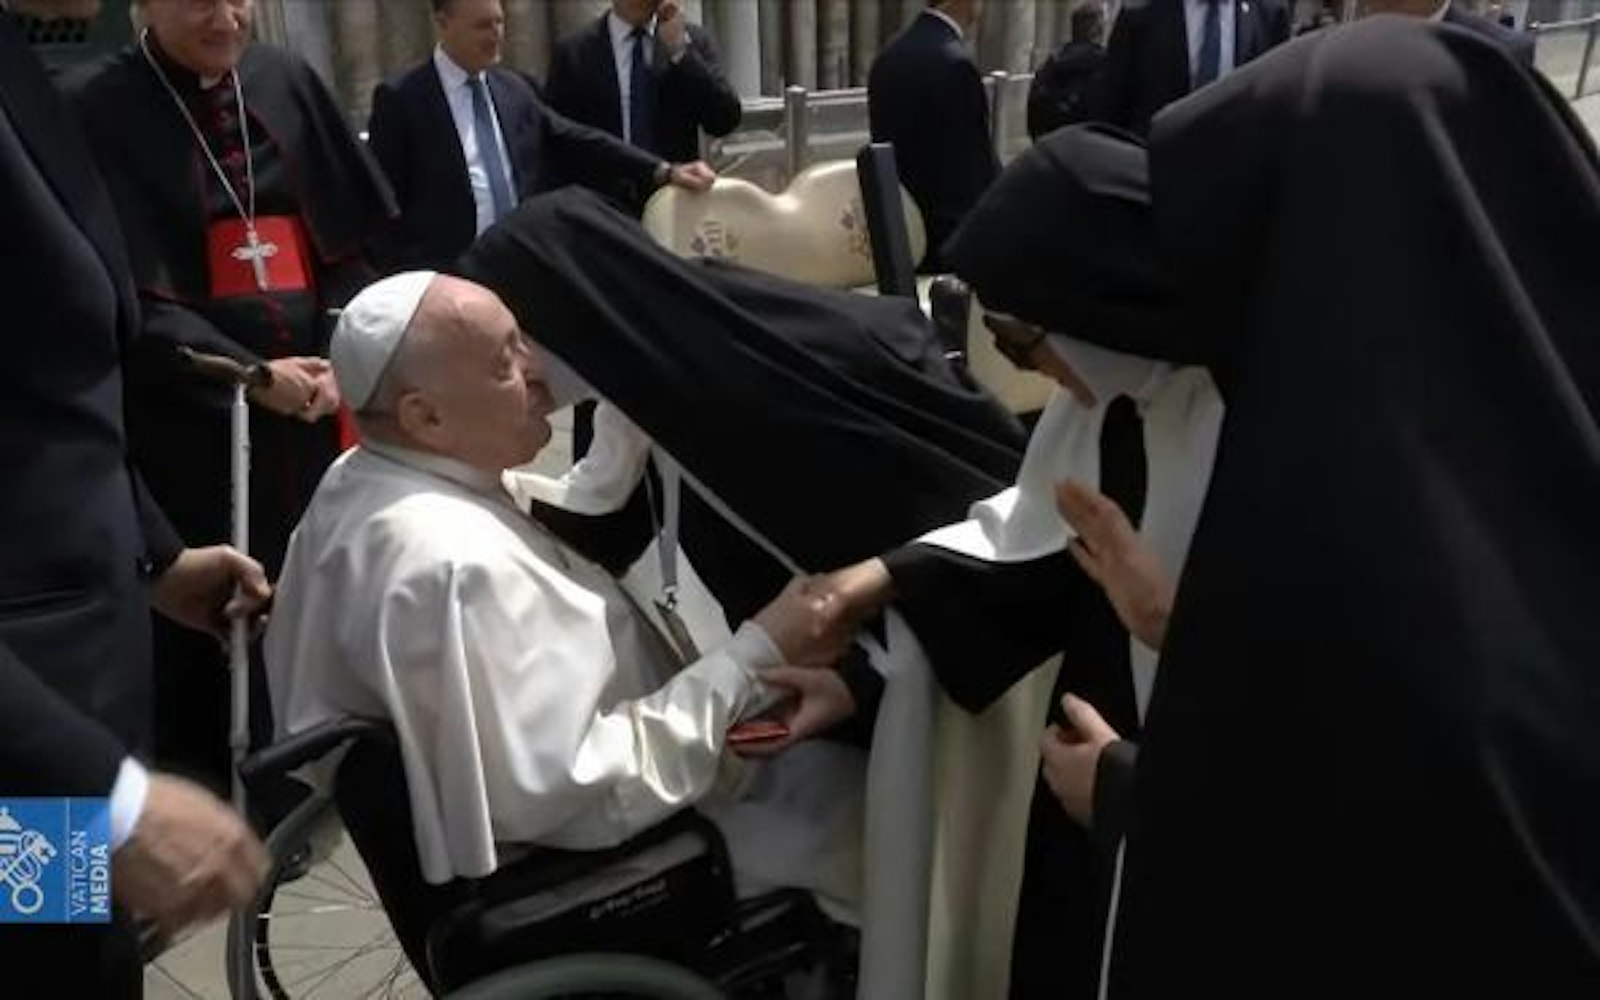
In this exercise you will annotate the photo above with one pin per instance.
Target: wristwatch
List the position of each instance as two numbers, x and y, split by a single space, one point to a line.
663 174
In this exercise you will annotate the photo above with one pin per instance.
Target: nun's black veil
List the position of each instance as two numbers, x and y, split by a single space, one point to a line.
1372 759
829 421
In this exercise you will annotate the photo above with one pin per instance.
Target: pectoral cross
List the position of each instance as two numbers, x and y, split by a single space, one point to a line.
256 252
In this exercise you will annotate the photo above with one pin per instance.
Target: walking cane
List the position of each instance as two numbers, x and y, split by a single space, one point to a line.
242 378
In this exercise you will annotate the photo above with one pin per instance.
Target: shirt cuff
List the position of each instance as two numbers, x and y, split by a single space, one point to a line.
753 649
127 800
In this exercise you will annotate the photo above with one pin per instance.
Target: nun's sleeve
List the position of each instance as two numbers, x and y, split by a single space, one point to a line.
986 625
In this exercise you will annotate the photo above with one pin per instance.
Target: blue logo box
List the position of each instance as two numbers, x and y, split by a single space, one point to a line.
55 861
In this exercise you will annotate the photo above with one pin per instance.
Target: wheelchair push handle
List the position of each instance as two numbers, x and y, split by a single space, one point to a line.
313 744
226 370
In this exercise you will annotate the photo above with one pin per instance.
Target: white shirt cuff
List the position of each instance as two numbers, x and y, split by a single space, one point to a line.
753 649
127 800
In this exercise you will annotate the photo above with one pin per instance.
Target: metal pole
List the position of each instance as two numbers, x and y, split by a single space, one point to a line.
1588 53
997 85
797 128
239 628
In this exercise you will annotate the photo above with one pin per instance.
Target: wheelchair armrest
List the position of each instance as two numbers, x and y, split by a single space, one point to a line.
314 743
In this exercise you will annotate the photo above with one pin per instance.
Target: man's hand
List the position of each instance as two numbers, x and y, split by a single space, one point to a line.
1111 552
1071 756
671 27
204 589
190 858
303 388
807 625
821 700
696 176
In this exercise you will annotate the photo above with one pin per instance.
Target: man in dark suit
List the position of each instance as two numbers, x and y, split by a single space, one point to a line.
1062 87
1161 50
84 553
463 141
925 95
643 73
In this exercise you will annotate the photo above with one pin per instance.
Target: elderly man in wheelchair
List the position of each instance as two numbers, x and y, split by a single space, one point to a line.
540 743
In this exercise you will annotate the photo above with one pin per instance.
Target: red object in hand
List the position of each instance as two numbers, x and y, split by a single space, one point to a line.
757 731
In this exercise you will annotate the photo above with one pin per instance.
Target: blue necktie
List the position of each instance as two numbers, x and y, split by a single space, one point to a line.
489 148
1210 63
639 103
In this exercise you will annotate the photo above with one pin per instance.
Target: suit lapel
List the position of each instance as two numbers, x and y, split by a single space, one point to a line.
58 150
438 106
508 111
1175 32
1246 32
604 60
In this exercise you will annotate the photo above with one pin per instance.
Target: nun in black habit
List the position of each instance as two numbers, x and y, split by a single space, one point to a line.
831 422
1371 763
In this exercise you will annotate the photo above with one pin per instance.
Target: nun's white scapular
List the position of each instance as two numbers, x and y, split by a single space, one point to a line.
987 763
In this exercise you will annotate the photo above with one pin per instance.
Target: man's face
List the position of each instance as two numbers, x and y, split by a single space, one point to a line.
492 403
472 33
635 12
58 10
206 36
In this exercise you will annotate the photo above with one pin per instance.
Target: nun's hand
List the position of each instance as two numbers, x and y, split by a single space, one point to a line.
807 624
1112 553
863 589
1071 756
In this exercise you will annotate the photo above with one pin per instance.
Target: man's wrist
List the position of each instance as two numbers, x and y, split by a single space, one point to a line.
663 174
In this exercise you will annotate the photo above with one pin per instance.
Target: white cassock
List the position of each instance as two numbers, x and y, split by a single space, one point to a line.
534 702
987 764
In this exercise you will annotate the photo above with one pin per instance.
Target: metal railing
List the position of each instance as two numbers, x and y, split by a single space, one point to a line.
780 136
1565 52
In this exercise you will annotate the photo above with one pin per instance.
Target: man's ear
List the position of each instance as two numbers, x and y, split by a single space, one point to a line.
417 416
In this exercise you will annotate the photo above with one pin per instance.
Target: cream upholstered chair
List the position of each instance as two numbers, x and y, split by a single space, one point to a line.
815 232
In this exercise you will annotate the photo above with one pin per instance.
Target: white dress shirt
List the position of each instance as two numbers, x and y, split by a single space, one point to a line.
459 96
1194 12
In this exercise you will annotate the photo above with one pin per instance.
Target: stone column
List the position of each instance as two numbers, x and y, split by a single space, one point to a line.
865 38
772 30
528 40
833 44
357 59
739 43
800 52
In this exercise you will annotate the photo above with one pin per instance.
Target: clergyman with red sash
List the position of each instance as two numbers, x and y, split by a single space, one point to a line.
245 202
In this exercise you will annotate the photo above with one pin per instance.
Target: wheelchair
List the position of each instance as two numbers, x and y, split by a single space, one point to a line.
655 917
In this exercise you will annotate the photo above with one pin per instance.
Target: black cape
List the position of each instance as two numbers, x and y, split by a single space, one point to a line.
830 421
1371 764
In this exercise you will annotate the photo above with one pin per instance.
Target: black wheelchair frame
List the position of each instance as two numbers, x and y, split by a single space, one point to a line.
677 933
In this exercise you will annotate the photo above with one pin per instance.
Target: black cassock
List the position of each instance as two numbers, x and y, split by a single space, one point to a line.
1371 763
308 168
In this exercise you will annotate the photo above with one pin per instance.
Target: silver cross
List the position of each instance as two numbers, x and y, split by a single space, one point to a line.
256 252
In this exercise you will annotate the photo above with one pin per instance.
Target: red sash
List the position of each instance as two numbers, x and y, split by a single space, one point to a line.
280 248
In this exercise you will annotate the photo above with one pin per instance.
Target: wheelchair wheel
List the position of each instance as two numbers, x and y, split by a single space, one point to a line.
323 933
